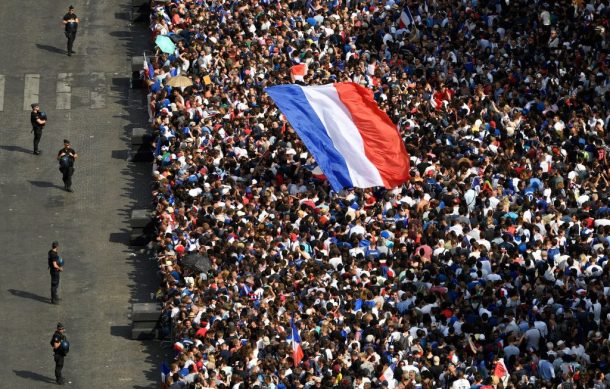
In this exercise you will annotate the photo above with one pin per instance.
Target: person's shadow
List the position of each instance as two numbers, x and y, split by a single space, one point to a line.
30 375
45 184
28 295
18 149
51 49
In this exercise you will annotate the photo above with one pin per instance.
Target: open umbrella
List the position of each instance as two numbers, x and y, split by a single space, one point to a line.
165 44
197 262
180 82
176 38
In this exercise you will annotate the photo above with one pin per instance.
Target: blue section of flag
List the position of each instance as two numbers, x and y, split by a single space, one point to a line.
295 332
164 370
151 69
409 15
294 105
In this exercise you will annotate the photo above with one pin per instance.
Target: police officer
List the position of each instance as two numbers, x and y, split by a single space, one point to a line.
38 119
59 342
66 157
55 267
70 22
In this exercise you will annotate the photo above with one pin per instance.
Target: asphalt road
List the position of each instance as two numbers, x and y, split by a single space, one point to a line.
88 100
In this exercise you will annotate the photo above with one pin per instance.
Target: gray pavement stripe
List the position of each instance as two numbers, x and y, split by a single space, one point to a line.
64 91
72 90
98 99
81 96
31 90
2 81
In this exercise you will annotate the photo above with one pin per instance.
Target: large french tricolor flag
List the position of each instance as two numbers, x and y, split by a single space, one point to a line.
297 350
354 142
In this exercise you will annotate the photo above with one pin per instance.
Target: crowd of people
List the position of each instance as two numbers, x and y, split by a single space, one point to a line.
488 268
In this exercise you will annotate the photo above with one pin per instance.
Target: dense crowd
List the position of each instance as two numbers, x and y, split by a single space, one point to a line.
493 258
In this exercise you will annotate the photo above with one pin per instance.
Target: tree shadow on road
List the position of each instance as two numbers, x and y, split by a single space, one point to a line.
30 375
51 49
28 295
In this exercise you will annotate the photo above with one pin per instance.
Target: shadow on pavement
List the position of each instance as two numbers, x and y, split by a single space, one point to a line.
119 237
16 148
121 331
120 154
45 184
28 295
30 375
142 275
121 34
51 49
152 386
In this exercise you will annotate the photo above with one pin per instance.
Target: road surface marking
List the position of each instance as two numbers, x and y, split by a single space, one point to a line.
97 93
30 93
2 78
64 91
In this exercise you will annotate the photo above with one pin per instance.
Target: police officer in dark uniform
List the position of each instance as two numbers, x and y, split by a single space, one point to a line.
55 267
66 157
38 119
60 345
70 22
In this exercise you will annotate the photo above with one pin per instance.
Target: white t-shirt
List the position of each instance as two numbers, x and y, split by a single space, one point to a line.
546 18
461 383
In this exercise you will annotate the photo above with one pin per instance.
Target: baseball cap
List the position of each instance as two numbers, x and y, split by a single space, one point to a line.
60 326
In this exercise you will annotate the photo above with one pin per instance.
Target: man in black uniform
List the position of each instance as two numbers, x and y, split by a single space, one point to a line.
59 352
66 157
55 266
71 22
38 119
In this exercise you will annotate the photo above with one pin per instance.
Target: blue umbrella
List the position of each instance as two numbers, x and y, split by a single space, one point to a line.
165 44
312 21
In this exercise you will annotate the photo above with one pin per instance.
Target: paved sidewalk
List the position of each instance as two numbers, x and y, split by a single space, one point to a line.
88 101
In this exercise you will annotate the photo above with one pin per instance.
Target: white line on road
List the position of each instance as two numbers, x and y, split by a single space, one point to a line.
1 93
64 91
31 90
97 94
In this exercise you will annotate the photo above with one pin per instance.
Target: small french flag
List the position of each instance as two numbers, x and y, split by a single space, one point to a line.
297 350
388 373
406 19
317 173
298 72
501 371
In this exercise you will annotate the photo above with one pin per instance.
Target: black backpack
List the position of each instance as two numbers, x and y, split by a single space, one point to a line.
65 346
65 161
